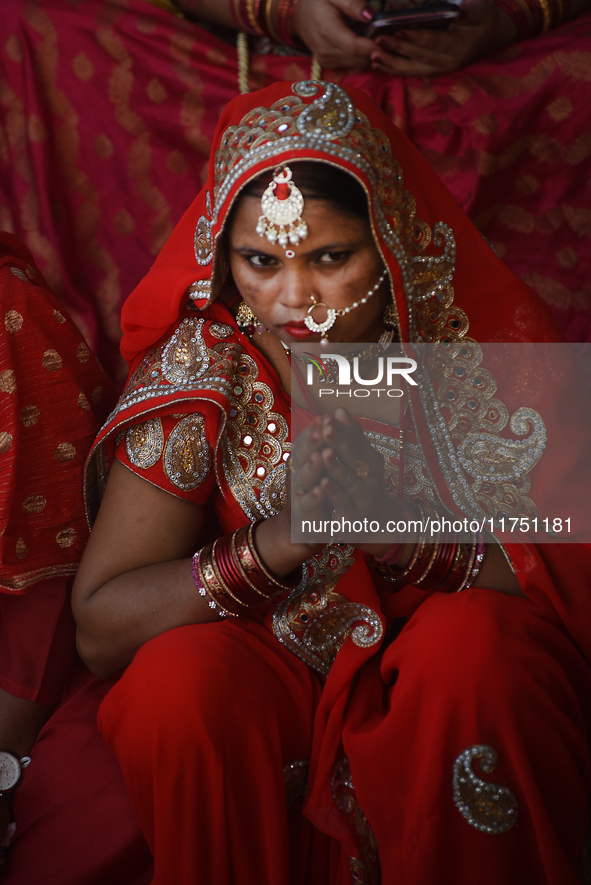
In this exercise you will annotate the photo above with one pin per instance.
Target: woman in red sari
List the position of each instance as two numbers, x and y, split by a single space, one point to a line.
109 107
442 735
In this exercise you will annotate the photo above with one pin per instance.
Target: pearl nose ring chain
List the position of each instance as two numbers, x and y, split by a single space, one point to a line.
332 313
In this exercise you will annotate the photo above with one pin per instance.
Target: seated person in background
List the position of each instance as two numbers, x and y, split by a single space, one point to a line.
72 825
102 147
442 734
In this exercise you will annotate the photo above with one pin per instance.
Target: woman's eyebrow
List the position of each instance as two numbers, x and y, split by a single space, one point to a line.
318 250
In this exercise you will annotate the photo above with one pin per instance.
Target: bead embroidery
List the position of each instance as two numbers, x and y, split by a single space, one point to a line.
488 807
314 621
252 453
144 443
203 237
455 382
187 458
185 357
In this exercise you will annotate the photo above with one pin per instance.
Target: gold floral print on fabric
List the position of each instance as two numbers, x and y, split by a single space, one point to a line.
187 459
365 870
144 443
490 808
13 321
254 446
314 621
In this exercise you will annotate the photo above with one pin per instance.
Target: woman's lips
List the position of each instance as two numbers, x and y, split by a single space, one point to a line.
299 331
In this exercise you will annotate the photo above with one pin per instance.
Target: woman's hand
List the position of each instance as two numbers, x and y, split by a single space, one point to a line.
480 28
322 26
352 484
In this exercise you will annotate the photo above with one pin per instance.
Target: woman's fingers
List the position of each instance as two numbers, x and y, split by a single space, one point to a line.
322 26
308 476
481 28
308 441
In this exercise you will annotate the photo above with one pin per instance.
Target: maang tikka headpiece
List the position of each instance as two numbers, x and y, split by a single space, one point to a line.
282 205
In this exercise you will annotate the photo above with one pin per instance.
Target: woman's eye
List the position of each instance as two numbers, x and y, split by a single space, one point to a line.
333 257
261 260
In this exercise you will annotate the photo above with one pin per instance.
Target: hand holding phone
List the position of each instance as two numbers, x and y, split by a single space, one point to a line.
435 16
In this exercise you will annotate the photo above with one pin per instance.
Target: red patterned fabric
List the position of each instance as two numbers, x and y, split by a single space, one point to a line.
53 399
75 824
466 671
95 193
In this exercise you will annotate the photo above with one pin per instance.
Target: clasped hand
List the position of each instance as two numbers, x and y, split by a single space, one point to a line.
336 474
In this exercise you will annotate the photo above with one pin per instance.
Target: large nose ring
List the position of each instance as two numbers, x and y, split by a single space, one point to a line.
328 323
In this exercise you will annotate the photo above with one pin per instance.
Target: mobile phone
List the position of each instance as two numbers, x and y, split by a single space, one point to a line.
436 15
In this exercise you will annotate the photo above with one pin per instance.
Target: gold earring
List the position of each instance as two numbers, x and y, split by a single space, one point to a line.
390 325
247 321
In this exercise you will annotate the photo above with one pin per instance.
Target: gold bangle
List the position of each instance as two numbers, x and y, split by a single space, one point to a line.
245 562
252 16
546 15
268 18
273 580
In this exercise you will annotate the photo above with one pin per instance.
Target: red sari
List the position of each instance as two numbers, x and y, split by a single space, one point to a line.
509 135
443 737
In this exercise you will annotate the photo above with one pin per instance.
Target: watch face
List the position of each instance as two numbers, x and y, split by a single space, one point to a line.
10 771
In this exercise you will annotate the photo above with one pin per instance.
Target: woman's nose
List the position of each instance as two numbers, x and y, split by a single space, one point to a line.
295 288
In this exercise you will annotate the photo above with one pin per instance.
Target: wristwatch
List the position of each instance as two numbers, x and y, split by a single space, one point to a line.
11 769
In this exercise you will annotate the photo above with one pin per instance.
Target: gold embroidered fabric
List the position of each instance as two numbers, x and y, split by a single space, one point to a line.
365 870
144 443
486 472
187 459
255 446
315 620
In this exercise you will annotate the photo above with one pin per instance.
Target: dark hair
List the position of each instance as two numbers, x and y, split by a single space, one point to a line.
320 181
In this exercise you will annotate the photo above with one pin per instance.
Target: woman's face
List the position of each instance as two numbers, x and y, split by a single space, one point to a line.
338 263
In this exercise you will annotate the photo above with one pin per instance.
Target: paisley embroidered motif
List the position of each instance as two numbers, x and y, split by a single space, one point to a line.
187 458
314 621
487 458
487 473
488 807
144 443
185 357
